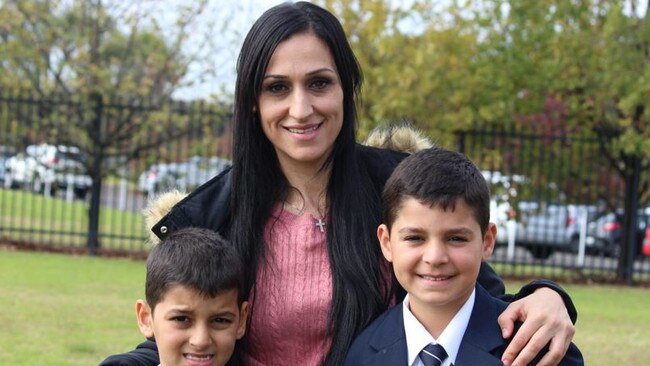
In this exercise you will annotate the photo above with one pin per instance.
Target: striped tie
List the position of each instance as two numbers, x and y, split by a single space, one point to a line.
433 355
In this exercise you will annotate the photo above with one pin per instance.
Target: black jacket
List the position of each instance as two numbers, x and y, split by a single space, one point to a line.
209 206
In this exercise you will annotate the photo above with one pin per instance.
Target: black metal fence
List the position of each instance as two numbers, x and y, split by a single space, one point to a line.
76 173
559 206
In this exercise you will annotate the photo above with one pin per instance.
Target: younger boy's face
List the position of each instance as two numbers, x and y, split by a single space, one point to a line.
436 254
193 330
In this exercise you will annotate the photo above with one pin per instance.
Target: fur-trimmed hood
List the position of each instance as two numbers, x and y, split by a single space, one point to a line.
401 138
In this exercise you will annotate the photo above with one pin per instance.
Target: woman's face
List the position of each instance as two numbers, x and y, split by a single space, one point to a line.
301 101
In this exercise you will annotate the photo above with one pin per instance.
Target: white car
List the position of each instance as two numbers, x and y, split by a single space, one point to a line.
184 176
198 170
158 178
49 168
19 171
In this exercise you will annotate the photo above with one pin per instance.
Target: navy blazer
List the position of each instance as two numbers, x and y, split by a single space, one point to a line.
383 342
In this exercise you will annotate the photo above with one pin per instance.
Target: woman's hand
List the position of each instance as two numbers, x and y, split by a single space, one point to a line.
545 318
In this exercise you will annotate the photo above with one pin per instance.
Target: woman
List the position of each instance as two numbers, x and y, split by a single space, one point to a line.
302 202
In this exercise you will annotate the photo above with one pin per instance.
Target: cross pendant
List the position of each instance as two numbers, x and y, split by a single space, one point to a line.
321 225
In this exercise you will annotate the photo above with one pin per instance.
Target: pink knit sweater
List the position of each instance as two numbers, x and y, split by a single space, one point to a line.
293 294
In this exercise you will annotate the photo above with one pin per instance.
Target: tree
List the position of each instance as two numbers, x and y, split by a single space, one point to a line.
412 58
82 50
576 68
591 57
102 75
80 47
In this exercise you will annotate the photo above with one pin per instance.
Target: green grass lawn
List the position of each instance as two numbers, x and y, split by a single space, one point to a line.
75 310
613 325
66 310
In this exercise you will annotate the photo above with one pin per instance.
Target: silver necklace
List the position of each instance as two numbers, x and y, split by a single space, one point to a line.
319 222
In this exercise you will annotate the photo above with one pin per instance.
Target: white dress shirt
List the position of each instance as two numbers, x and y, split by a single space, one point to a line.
417 337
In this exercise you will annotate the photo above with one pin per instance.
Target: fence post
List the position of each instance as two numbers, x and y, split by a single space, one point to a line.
95 174
628 244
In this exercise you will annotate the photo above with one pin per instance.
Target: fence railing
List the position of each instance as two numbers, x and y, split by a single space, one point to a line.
75 175
558 204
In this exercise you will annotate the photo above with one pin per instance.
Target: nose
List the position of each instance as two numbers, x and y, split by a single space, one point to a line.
301 105
435 253
199 337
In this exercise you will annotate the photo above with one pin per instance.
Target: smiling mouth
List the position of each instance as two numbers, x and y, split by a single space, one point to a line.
302 131
198 358
435 278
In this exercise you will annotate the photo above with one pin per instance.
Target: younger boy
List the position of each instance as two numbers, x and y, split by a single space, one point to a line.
436 233
194 307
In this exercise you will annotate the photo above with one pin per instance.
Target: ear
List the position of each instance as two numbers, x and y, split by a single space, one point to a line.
145 318
488 240
383 234
243 319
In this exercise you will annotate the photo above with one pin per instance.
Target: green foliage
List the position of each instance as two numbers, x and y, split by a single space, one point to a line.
98 75
413 65
80 48
554 67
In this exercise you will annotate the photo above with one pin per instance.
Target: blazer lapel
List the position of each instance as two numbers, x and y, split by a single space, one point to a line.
482 343
389 340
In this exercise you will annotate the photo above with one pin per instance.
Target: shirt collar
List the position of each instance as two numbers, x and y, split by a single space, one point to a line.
417 337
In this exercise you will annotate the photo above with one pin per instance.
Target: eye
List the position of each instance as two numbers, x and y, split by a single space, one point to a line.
182 319
222 320
458 238
276 88
319 84
413 238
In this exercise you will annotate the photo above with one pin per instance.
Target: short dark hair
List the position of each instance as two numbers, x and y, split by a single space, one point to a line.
437 177
196 258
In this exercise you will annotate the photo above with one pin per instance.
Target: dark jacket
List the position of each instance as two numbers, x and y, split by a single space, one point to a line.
383 342
209 207
145 354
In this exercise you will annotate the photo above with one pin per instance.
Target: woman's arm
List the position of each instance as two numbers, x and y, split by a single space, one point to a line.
547 315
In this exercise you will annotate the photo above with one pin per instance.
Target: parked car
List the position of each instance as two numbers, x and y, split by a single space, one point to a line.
645 247
544 228
6 152
605 234
19 171
198 170
54 167
158 178
185 176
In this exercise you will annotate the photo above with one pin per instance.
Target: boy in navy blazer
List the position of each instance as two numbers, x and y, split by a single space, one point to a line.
436 234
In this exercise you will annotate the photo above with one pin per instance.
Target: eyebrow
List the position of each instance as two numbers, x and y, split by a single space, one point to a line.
413 229
185 312
410 229
461 230
314 72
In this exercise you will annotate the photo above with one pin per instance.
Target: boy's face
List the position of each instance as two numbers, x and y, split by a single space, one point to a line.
193 330
436 254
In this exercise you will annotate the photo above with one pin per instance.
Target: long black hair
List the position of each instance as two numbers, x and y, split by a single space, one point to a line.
360 289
